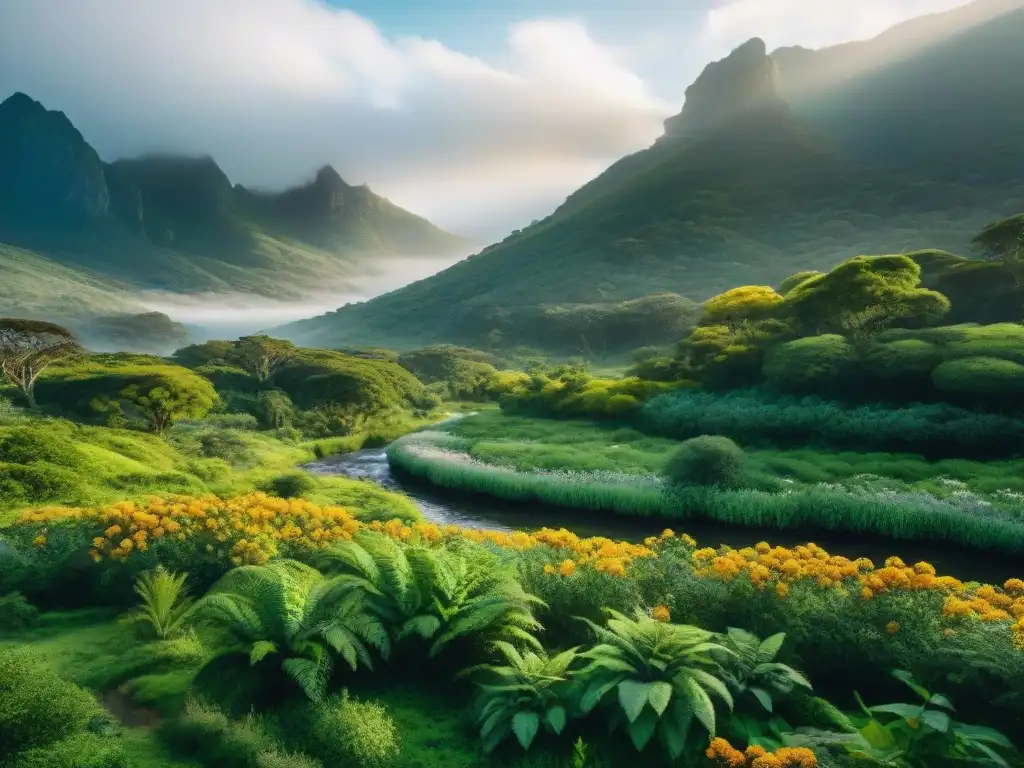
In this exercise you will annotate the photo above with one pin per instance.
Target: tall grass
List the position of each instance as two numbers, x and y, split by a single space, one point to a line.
436 458
760 419
962 518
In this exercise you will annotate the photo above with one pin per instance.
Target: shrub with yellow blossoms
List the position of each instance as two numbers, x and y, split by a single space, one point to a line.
723 754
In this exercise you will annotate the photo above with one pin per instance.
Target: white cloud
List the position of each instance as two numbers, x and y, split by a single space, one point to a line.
274 88
811 23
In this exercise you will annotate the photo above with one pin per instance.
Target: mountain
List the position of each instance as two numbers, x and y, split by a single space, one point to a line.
178 224
747 186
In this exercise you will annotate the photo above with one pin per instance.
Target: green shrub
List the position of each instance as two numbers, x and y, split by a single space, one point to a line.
37 706
706 460
286 760
812 364
345 732
901 359
41 442
290 485
975 377
84 750
37 482
275 409
17 613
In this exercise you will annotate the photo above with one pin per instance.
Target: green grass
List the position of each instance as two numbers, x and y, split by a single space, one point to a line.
599 467
109 465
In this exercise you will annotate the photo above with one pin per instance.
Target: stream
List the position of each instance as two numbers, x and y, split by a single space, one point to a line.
472 510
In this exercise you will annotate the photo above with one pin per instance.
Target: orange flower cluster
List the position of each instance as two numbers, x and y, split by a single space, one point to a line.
246 530
780 567
725 755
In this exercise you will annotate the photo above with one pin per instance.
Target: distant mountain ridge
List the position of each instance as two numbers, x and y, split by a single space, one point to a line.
748 187
177 223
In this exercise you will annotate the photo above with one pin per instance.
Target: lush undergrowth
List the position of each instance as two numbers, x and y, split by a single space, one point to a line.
755 418
53 461
416 602
597 467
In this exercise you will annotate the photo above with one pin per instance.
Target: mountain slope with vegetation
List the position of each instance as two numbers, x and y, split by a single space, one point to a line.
745 188
178 224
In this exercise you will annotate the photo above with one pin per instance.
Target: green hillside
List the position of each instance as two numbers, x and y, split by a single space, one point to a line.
178 223
34 285
748 192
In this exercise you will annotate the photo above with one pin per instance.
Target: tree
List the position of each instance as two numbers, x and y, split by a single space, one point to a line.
735 306
27 347
1003 241
261 356
167 399
862 297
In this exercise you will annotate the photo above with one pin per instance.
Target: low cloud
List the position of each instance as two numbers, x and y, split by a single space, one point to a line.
274 88
811 23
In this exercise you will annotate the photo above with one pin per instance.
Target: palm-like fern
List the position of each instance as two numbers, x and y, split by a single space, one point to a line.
751 668
438 594
522 696
656 676
289 610
166 607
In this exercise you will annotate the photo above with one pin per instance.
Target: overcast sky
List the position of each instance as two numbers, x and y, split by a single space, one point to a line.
479 114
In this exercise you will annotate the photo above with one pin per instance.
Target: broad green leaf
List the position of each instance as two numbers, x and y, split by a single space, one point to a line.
908 679
700 703
525 725
906 711
770 647
982 733
942 701
992 755
762 696
672 734
555 718
633 696
935 719
659 694
641 729
877 736
596 691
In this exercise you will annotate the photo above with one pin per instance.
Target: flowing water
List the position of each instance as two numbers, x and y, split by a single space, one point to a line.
470 510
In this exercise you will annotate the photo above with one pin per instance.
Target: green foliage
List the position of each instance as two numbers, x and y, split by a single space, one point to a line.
29 347
706 460
755 418
289 613
793 281
83 750
974 378
752 673
448 598
655 674
16 612
743 304
727 357
291 485
921 734
815 364
165 402
519 698
347 732
864 295
166 608
275 409
37 707
574 394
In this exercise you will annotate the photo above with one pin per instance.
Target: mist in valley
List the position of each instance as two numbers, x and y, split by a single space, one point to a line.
209 316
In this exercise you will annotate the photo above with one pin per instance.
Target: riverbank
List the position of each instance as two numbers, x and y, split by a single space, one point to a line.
882 520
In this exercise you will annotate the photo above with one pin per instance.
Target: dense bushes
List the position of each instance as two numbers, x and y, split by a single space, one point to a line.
139 388
979 378
348 732
37 707
577 395
706 460
759 419
814 364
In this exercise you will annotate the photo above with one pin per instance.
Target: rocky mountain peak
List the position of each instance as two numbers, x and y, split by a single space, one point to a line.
744 81
47 169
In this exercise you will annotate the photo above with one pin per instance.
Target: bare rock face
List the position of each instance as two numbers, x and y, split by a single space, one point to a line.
743 83
49 174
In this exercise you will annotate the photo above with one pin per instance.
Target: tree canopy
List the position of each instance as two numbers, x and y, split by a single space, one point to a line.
27 347
1003 241
748 302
